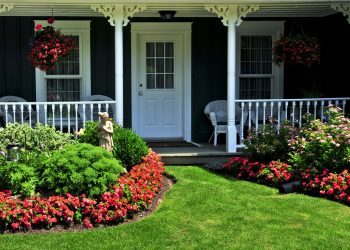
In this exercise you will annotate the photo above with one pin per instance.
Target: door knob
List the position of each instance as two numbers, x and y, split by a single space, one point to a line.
140 93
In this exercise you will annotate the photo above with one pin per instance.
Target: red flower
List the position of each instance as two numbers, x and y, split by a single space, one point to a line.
38 27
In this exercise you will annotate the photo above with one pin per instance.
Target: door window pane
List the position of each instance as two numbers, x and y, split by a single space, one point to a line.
160 65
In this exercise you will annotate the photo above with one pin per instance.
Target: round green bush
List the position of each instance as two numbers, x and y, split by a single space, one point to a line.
80 169
129 147
20 178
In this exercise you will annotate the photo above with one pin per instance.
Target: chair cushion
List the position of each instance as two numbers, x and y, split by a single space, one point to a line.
221 117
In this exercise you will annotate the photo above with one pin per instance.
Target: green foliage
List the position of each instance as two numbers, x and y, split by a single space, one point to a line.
41 138
80 169
18 177
128 146
89 133
269 144
323 145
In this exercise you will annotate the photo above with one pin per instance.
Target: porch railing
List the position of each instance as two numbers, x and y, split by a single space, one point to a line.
65 116
255 114
250 114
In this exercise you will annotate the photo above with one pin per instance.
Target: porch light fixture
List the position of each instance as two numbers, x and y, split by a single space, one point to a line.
167 14
13 152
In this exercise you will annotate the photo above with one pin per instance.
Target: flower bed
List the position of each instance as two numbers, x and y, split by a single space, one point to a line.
132 192
272 174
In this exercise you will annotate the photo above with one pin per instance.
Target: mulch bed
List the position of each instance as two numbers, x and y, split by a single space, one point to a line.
166 185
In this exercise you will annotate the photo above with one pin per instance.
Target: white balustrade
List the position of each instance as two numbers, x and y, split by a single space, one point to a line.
65 116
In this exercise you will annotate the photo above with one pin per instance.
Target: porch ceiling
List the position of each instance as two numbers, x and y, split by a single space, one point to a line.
272 8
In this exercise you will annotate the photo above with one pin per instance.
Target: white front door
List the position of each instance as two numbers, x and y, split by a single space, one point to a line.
160 86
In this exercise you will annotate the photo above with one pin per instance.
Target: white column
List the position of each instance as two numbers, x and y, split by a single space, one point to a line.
118 16
231 16
119 72
231 135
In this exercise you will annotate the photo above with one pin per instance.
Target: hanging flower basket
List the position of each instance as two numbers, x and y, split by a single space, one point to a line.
49 46
298 49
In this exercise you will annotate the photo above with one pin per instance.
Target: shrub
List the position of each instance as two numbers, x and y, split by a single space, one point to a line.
240 167
81 169
19 178
129 148
323 145
269 144
89 133
275 173
41 138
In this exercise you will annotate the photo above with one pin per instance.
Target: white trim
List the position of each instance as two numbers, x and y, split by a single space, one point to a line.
274 29
82 29
183 29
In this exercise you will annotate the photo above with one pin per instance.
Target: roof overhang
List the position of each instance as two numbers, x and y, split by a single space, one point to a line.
183 8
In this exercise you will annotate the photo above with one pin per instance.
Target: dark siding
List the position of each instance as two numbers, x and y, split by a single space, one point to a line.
16 74
333 33
209 71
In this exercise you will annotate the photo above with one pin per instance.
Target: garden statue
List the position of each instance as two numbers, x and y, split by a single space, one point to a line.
105 131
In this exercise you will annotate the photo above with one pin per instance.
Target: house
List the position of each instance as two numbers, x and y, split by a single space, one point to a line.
168 70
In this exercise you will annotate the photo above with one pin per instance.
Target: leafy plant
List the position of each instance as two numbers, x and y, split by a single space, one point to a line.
49 46
41 138
323 145
80 169
19 178
128 146
275 173
269 144
297 49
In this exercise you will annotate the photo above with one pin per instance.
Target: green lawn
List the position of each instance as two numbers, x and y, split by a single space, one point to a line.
208 211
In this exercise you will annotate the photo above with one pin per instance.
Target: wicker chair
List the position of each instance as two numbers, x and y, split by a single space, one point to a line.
216 111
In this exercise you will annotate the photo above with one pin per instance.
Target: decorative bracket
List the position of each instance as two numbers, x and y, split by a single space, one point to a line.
118 12
343 8
4 7
230 12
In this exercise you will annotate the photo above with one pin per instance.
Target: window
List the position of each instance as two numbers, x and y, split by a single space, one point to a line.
70 80
258 76
255 67
160 65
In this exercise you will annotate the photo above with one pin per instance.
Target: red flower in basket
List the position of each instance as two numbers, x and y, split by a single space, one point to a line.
49 46
298 49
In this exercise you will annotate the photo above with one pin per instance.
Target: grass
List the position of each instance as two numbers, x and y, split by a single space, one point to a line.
208 211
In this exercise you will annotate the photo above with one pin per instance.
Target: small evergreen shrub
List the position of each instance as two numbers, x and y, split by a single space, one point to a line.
269 144
80 169
129 148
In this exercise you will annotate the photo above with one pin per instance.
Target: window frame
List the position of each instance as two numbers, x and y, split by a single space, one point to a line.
261 28
79 28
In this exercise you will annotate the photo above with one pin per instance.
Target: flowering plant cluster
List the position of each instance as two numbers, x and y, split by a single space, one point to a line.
49 46
242 168
274 173
298 49
323 145
330 185
132 192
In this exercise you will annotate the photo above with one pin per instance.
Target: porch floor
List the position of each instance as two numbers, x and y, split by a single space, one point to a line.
197 155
